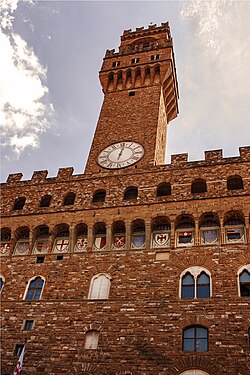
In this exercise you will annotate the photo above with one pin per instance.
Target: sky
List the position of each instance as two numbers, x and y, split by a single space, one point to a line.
50 95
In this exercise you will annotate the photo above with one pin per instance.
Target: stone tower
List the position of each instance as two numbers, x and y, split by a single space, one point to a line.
140 99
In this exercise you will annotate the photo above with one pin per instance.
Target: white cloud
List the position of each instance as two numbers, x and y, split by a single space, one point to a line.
215 77
24 111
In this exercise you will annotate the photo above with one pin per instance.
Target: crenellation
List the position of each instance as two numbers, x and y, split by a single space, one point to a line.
39 176
213 156
14 177
65 173
179 159
245 153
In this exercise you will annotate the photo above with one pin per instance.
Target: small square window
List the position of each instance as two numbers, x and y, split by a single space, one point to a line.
18 349
39 260
134 61
131 93
28 325
59 257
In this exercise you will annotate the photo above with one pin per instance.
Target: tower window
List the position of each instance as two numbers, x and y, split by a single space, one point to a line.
91 339
18 349
245 284
130 194
155 57
163 190
28 325
99 287
45 201
35 289
135 61
199 186
19 203
99 196
131 93
195 283
235 183
69 200
39 260
195 339
115 63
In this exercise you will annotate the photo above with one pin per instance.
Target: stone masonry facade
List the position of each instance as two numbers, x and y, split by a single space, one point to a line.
201 209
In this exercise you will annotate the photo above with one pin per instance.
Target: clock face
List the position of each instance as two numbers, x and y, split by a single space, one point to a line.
120 155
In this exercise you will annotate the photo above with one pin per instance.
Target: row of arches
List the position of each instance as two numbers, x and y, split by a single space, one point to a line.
195 283
161 232
198 186
129 78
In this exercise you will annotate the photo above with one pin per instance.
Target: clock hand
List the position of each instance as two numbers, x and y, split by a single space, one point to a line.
120 153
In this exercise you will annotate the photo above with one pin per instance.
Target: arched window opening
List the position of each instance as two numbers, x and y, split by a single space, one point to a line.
2 281
99 287
187 290
19 203
203 286
138 235
195 282
128 79
35 288
199 186
160 230
164 190
61 241
91 339
209 229
22 241
99 236
5 241
194 372
118 235
99 196
81 234
131 193
45 201
235 183
195 339
119 80
185 231
245 284
234 227
42 244
69 200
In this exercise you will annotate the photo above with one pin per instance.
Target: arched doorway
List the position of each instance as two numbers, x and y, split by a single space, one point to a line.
194 372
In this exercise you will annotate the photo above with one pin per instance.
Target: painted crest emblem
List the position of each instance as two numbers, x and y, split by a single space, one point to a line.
81 244
61 245
100 243
119 242
5 248
138 241
42 246
161 239
210 236
185 237
22 247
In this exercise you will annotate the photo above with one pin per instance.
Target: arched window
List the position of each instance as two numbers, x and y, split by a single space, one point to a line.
164 190
160 230
244 279
234 183
138 235
99 287
5 241
61 241
118 235
194 372
19 203
42 244
130 193
2 281
187 288
81 234
99 196
35 288
69 200
234 227
209 229
199 186
184 231
195 282
99 236
195 339
45 201
22 241
91 339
